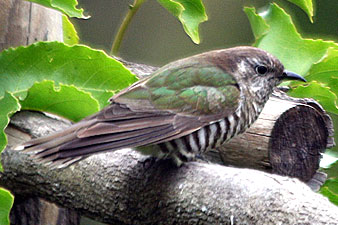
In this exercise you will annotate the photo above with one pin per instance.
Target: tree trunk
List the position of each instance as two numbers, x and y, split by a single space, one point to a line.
23 23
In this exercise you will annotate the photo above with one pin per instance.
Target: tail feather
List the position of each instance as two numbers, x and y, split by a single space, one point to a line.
59 151
100 139
50 143
63 151
52 140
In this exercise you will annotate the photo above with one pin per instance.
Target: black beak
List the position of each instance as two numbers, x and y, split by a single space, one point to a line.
292 76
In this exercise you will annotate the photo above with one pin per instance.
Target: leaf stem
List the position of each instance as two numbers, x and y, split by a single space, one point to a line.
125 23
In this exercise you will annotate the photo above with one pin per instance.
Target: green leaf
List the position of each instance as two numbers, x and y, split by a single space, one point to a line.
67 7
260 27
9 105
326 70
65 100
190 13
282 40
89 70
69 33
6 203
306 6
319 92
330 189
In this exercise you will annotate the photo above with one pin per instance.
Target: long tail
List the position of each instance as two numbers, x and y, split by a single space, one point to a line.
41 148
93 136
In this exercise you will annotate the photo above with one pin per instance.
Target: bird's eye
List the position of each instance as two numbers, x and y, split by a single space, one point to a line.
261 70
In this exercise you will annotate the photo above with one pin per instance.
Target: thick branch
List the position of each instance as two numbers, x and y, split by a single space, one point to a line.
124 187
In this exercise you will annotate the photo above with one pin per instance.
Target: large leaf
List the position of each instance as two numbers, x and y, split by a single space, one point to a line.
282 39
67 7
9 105
306 6
66 101
326 70
6 203
190 13
320 92
258 24
89 70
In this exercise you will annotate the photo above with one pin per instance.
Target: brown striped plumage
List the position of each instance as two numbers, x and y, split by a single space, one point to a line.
210 136
182 110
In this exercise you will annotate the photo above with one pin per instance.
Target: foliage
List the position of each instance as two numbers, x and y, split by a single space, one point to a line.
190 13
277 34
55 77
69 33
91 71
9 105
330 189
305 5
66 100
6 202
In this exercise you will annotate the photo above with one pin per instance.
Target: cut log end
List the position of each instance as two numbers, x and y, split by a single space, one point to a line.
287 139
298 138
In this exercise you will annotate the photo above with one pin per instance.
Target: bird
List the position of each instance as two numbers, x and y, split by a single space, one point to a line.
180 111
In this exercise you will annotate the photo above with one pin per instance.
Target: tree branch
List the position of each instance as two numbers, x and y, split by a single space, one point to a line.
124 187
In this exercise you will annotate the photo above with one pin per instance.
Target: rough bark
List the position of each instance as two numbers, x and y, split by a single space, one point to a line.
23 23
124 187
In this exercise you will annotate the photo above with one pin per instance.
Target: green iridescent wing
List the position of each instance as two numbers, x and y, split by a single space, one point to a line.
190 89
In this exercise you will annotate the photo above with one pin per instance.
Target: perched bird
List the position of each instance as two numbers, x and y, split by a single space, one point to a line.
180 111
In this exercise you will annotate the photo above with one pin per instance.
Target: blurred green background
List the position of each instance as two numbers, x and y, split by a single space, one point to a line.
156 37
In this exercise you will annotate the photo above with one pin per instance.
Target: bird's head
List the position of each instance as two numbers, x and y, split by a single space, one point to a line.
257 70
